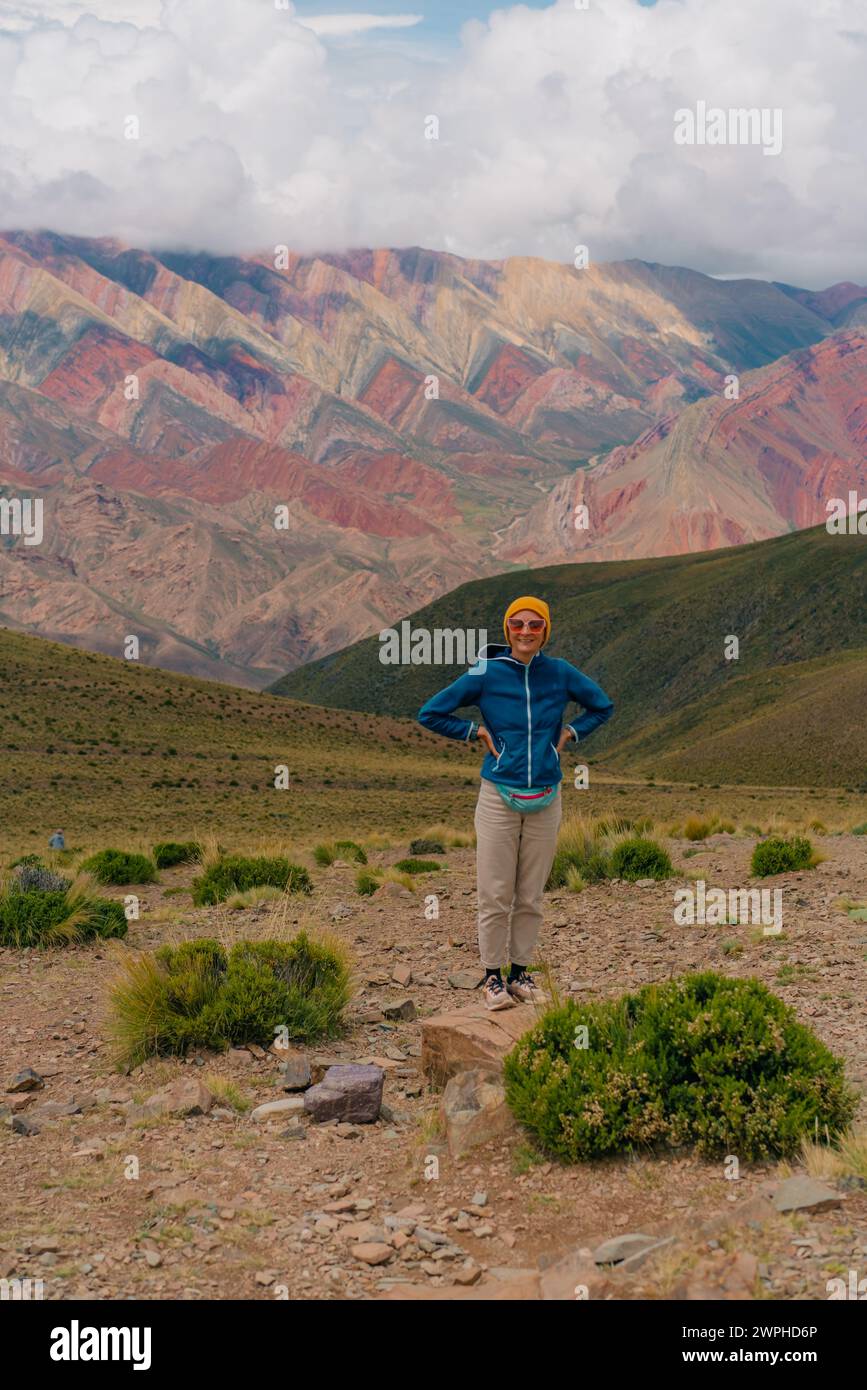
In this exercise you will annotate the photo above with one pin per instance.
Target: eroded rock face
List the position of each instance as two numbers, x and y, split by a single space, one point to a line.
474 1110
350 1093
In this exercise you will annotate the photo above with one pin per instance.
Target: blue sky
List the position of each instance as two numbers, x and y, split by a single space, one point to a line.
442 19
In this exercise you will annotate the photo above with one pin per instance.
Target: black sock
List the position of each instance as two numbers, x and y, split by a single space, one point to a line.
515 971
494 971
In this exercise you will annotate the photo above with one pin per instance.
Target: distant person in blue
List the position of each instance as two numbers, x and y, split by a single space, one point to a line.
57 841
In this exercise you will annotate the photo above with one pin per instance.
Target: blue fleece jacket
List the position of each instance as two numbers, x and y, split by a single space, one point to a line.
522 708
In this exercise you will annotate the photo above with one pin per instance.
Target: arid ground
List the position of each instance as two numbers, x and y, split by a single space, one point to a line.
226 1207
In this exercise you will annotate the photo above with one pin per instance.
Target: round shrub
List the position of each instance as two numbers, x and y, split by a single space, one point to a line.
236 873
32 877
118 866
348 849
200 995
638 858
417 866
426 847
171 852
780 856
595 868
366 882
720 1065
56 917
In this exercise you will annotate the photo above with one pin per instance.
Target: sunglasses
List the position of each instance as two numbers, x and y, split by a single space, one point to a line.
518 624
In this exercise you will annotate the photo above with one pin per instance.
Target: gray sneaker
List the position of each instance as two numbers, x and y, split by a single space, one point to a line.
524 987
495 994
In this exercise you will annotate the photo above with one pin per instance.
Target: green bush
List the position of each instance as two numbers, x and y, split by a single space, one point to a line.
417 866
171 852
720 1065
33 861
638 858
779 856
860 829
235 874
426 847
117 866
39 917
366 882
348 849
200 995
341 849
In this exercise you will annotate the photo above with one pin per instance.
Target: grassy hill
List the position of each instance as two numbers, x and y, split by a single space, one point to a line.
121 754
112 751
653 632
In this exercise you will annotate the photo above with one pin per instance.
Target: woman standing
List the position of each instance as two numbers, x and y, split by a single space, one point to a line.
522 696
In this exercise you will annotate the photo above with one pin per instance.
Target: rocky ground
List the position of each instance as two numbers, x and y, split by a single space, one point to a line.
107 1194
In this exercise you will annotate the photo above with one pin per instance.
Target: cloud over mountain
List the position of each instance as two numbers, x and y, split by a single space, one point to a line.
555 129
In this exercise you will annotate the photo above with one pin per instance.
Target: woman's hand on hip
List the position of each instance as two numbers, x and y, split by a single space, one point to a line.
484 737
566 736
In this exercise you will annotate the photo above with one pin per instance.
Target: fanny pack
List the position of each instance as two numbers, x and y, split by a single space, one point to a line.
533 799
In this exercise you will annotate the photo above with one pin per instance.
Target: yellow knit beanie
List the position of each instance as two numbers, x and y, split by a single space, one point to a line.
535 605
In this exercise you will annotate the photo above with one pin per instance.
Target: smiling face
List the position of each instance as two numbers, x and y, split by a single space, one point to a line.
523 641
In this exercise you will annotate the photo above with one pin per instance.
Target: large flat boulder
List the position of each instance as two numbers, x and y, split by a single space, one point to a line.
464 1039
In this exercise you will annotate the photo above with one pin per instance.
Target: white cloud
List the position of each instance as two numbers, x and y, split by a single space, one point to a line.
341 25
555 125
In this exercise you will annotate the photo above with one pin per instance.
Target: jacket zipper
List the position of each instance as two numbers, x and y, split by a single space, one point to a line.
529 728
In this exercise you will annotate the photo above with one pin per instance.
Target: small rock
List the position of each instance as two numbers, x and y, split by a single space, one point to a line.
474 1110
92 1148
402 975
294 1132
805 1194
351 1093
400 1008
466 979
373 1252
292 1105
347 1131
21 1125
480 1199
612 1252
153 1258
187 1096
295 1074
26 1080
319 1064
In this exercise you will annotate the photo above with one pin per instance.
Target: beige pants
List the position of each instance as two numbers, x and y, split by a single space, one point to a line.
514 854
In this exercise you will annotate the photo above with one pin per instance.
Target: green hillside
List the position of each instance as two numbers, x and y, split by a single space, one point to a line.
110 751
652 632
